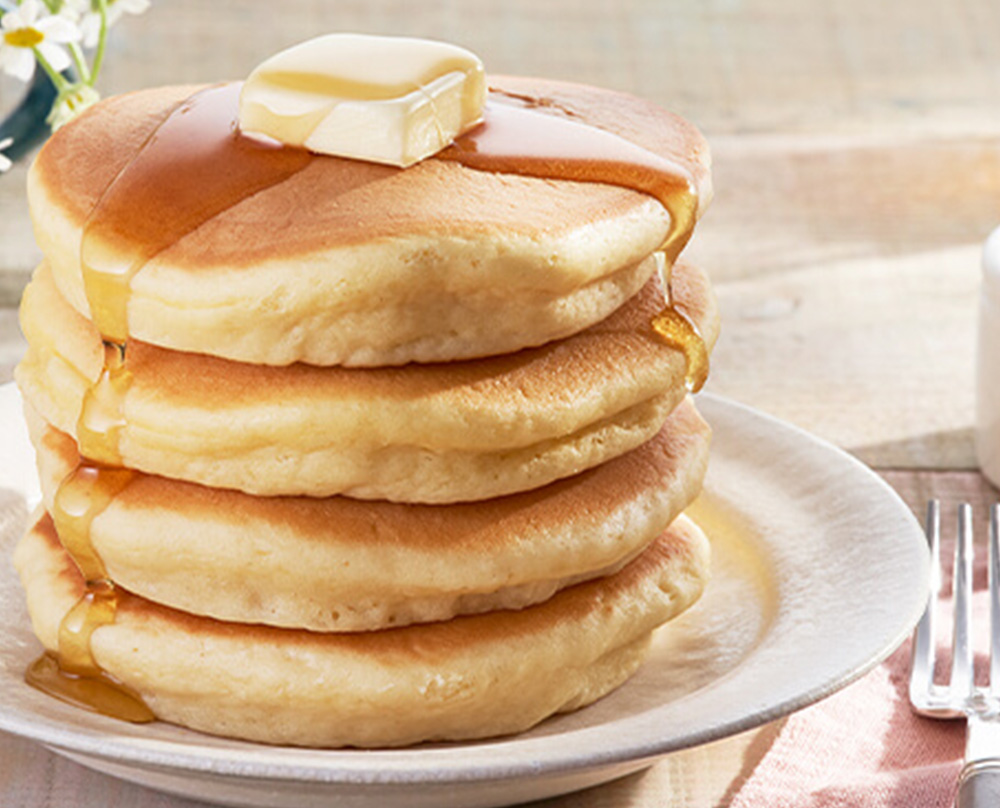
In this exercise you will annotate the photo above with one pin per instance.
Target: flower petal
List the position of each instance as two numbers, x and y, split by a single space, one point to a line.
28 11
12 20
55 55
5 142
5 164
134 6
90 28
70 14
17 62
58 29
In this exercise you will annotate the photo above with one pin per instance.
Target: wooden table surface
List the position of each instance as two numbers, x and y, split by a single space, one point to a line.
857 172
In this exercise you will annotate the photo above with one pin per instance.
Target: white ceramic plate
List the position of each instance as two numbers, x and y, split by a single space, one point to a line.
819 573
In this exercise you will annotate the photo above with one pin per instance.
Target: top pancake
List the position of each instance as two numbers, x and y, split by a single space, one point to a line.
348 262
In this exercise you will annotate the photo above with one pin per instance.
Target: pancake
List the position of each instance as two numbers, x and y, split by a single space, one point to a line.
355 263
470 677
339 564
423 433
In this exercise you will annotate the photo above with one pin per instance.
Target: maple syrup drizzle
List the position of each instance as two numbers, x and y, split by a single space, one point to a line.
82 496
521 140
99 428
194 166
72 674
678 330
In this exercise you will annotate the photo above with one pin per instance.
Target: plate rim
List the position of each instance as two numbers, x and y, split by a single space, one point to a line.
441 764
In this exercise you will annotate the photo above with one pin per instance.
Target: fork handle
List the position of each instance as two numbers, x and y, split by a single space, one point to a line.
979 784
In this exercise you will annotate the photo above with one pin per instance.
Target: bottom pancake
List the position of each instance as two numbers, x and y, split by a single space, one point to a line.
469 677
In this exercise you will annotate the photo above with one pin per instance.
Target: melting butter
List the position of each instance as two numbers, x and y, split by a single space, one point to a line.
393 100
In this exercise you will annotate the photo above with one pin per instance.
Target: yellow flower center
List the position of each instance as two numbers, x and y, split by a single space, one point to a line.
23 37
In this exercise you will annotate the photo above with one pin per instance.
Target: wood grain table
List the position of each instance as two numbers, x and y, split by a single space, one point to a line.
857 172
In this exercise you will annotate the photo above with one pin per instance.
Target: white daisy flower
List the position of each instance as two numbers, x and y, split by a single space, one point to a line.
5 162
89 19
29 29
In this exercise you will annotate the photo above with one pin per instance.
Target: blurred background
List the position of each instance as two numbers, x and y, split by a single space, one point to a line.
857 172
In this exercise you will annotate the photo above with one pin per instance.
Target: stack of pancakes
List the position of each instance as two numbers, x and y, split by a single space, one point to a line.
407 459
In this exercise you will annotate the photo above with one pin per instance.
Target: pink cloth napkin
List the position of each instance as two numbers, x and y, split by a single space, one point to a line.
863 747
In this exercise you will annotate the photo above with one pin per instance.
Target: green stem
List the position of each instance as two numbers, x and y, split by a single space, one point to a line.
80 62
102 41
57 79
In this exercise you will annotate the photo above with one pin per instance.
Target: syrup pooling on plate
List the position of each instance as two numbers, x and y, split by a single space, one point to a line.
526 141
98 694
194 166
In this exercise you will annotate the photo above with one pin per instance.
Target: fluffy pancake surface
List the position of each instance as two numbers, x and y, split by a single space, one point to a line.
338 564
422 433
468 677
368 265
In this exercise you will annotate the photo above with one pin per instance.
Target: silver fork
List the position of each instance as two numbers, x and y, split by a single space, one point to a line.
979 781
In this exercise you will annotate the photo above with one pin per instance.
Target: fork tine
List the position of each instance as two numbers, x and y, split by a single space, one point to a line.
961 681
922 664
994 589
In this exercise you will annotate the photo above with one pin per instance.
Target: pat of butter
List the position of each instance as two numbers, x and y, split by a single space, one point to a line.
390 100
